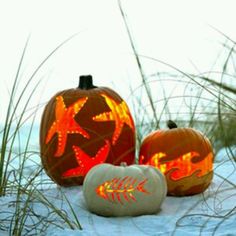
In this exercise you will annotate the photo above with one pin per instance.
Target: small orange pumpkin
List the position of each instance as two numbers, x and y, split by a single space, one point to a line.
184 155
84 127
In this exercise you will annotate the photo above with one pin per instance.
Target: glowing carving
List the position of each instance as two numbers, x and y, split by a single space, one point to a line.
113 189
65 124
181 166
119 113
86 162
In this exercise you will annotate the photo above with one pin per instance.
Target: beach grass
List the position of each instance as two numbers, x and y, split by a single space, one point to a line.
219 117
216 119
209 107
15 156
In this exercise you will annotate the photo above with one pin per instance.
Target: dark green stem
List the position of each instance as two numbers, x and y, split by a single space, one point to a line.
171 124
86 82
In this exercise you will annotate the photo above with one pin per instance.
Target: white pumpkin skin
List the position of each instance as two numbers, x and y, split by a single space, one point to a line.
143 202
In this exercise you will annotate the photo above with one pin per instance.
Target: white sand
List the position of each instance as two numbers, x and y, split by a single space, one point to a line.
203 213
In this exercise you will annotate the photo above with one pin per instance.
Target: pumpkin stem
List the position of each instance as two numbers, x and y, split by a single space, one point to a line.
171 124
124 164
86 82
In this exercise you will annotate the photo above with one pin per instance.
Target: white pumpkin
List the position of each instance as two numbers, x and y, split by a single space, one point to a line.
124 190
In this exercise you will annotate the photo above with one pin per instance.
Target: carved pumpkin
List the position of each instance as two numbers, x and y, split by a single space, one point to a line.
84 127
124 190
184 155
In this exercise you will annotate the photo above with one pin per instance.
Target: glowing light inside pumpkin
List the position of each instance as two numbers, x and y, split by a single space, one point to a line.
65 124
112 190
86 162
119 113
182 165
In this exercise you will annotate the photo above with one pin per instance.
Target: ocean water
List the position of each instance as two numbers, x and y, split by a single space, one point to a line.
24 154
25 138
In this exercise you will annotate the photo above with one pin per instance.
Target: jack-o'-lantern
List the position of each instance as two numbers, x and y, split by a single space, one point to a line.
124 190
84 127
184 155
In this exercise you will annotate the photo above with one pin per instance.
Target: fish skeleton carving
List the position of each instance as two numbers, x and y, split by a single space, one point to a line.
86 162
112 190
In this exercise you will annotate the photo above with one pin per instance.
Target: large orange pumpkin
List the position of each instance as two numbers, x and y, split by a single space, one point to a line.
83 127
184 155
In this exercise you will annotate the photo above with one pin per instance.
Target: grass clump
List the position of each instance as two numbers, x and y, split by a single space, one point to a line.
208 103
21 175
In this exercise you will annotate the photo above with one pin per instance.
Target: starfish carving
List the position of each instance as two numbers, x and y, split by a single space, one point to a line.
119 113
86 162
65 123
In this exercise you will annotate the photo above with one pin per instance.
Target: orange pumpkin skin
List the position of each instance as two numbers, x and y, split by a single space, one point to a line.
184 155
79 130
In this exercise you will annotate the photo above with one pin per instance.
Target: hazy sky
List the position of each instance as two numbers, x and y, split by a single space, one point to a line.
177 32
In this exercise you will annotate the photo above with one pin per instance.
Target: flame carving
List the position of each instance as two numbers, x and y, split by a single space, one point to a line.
86 162
119 113
65 124
182 166
112 190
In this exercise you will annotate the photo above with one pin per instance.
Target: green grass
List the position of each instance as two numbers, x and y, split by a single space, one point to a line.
13 177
